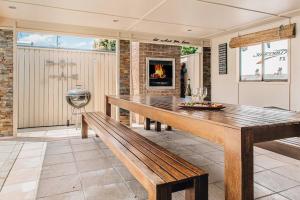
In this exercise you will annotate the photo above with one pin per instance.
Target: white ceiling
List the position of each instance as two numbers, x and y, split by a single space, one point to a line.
164 17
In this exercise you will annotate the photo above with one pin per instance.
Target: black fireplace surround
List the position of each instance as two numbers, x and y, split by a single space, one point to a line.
160 73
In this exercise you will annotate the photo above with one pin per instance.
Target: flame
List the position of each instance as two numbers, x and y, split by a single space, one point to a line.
159 71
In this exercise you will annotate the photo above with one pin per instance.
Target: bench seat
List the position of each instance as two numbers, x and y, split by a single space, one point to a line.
159 171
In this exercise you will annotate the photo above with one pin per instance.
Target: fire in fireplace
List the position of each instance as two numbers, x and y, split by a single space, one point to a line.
161 73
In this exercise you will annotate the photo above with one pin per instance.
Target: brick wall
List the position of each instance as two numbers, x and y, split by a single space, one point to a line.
124 76
156 51
6 82
207 71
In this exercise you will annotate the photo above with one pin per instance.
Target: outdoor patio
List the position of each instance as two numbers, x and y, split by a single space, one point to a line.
58 164
149 100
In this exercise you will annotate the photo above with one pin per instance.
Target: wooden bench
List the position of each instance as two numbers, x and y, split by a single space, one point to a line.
159 171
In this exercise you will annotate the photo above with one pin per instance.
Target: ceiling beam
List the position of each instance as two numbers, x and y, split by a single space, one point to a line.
146 14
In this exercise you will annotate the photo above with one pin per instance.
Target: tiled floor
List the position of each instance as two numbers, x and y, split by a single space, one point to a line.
76 169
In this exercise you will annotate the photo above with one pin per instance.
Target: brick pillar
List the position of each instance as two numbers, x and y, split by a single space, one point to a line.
6 82
124 76
207 71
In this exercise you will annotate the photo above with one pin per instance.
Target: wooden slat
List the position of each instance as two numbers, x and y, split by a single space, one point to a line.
279 33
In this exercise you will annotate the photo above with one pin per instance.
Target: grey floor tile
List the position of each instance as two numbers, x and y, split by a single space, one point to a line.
92 165
58 159
273 181
118 191
274 197
290 171
293 193
267 162
58 185
88 155
64 169
77 195
123 171
100 177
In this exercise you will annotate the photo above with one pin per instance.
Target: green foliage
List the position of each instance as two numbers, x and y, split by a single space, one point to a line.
105 45
188 50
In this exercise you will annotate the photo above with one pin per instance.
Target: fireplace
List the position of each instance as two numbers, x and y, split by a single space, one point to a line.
160 73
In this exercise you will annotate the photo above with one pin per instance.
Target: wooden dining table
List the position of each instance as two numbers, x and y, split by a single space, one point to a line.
237 128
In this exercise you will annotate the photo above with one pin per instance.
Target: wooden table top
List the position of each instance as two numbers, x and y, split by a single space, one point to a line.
234 116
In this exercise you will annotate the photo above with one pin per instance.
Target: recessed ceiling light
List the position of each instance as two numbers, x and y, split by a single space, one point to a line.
12 7
189 30
115 20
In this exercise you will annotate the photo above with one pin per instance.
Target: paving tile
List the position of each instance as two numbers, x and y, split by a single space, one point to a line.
58 159
33 145
109 192
138 190
88 155
23 175
123 171
92 165
198 160
62 142
26 163
58 185
84 147
267 162
217 156
202 148
82 141
293 193
6 148
290 171
215 193
77 195
58 150
215 171
58 170
273 181
261 191
20 191
31 153
100 177
187 141
274 197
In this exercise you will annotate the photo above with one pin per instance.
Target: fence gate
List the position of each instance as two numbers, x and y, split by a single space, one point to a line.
45 76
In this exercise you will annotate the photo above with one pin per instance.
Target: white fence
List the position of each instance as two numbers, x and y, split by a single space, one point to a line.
45 76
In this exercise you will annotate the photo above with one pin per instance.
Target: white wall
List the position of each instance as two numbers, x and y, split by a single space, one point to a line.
228 89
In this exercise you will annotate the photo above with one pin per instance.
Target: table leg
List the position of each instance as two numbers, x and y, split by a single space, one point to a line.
147 124
169 128
84 128
238 149
107 107
157 126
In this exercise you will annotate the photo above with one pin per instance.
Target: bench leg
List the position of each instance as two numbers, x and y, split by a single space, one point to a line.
169 128
147 124
157 126
199 191
162 193
84 128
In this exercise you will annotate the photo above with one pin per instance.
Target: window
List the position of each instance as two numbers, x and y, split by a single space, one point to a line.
64 42
264 62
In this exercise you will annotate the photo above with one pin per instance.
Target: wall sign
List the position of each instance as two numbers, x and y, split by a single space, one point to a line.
223 58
